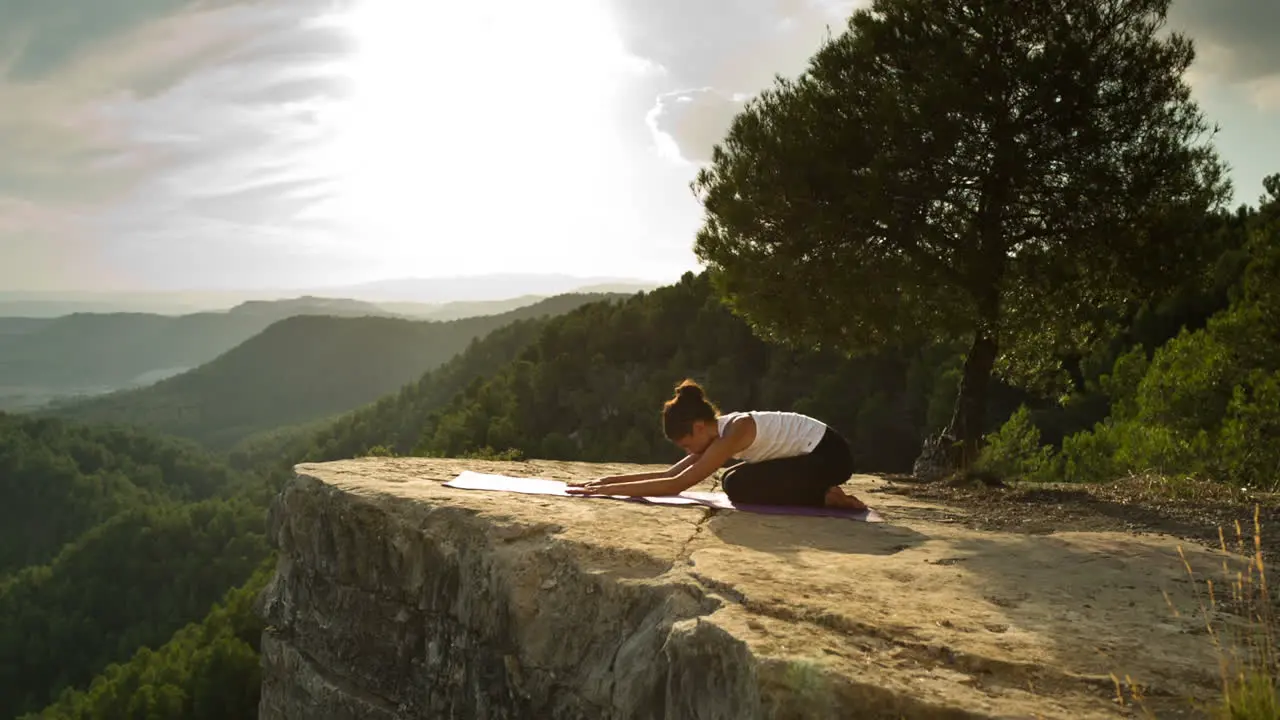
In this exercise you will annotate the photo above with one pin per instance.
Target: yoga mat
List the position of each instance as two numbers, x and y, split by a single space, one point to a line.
468 480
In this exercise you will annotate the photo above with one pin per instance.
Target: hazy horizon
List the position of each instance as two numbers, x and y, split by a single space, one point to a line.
568 279
237 145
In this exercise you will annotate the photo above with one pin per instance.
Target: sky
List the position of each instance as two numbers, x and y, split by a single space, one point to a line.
222 144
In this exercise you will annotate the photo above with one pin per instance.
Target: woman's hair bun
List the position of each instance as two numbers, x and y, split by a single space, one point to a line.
688 406
690 390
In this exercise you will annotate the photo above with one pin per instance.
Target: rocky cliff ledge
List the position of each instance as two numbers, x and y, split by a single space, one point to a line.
396 597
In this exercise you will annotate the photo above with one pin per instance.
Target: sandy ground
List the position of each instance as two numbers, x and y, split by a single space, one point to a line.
1192 512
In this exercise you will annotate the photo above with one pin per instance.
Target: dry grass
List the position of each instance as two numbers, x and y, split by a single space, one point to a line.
1153 488
1239 617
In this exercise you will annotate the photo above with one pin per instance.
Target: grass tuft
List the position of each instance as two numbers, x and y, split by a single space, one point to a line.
1248 655
1238 614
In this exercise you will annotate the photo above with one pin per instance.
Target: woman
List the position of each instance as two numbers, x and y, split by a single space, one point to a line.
788 458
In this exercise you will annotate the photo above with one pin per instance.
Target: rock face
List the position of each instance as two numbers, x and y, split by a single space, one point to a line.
396 597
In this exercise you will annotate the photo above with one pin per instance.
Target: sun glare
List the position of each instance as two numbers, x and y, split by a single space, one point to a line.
470 120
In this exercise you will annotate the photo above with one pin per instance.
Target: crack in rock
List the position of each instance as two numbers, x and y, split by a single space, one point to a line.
684 555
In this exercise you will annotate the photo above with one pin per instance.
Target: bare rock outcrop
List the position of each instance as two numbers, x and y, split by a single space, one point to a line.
396 597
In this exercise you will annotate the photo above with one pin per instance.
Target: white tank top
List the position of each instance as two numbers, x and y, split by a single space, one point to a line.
778 434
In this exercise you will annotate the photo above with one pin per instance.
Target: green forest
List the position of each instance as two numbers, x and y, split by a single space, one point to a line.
1028 268
112 540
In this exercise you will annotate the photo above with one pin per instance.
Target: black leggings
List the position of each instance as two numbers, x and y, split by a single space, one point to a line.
799 480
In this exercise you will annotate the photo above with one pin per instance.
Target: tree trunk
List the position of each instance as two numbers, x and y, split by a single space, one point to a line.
957 447
970 414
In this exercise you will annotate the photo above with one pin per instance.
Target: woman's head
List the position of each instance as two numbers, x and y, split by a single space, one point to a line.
689 419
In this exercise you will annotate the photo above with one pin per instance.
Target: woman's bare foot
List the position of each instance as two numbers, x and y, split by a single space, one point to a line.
838 498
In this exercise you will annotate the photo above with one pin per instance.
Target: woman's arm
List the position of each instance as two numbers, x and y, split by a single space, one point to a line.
715 456
672 471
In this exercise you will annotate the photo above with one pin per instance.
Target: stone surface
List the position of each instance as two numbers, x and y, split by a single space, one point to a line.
396 597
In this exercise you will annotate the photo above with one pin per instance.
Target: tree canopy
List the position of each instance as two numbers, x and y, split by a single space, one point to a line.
1010 174
110 540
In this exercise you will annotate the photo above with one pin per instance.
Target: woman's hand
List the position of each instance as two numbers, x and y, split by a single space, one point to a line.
590 486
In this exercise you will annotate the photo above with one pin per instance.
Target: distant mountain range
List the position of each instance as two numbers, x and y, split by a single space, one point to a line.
298 370
482 287
412 297
85 354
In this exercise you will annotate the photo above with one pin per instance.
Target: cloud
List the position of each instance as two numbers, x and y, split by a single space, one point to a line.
41 38
1235 38
715 53
689 123
1235 45
136 116
1265 93
730 45
73 98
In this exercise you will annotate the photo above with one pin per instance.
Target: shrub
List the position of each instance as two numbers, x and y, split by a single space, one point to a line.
1189 384
1121 384
1014 451
1088 456
488 453
1248 450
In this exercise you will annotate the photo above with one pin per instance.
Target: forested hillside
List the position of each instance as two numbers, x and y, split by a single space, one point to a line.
299 370
396 421
208 670
127 583
60 480
110 540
